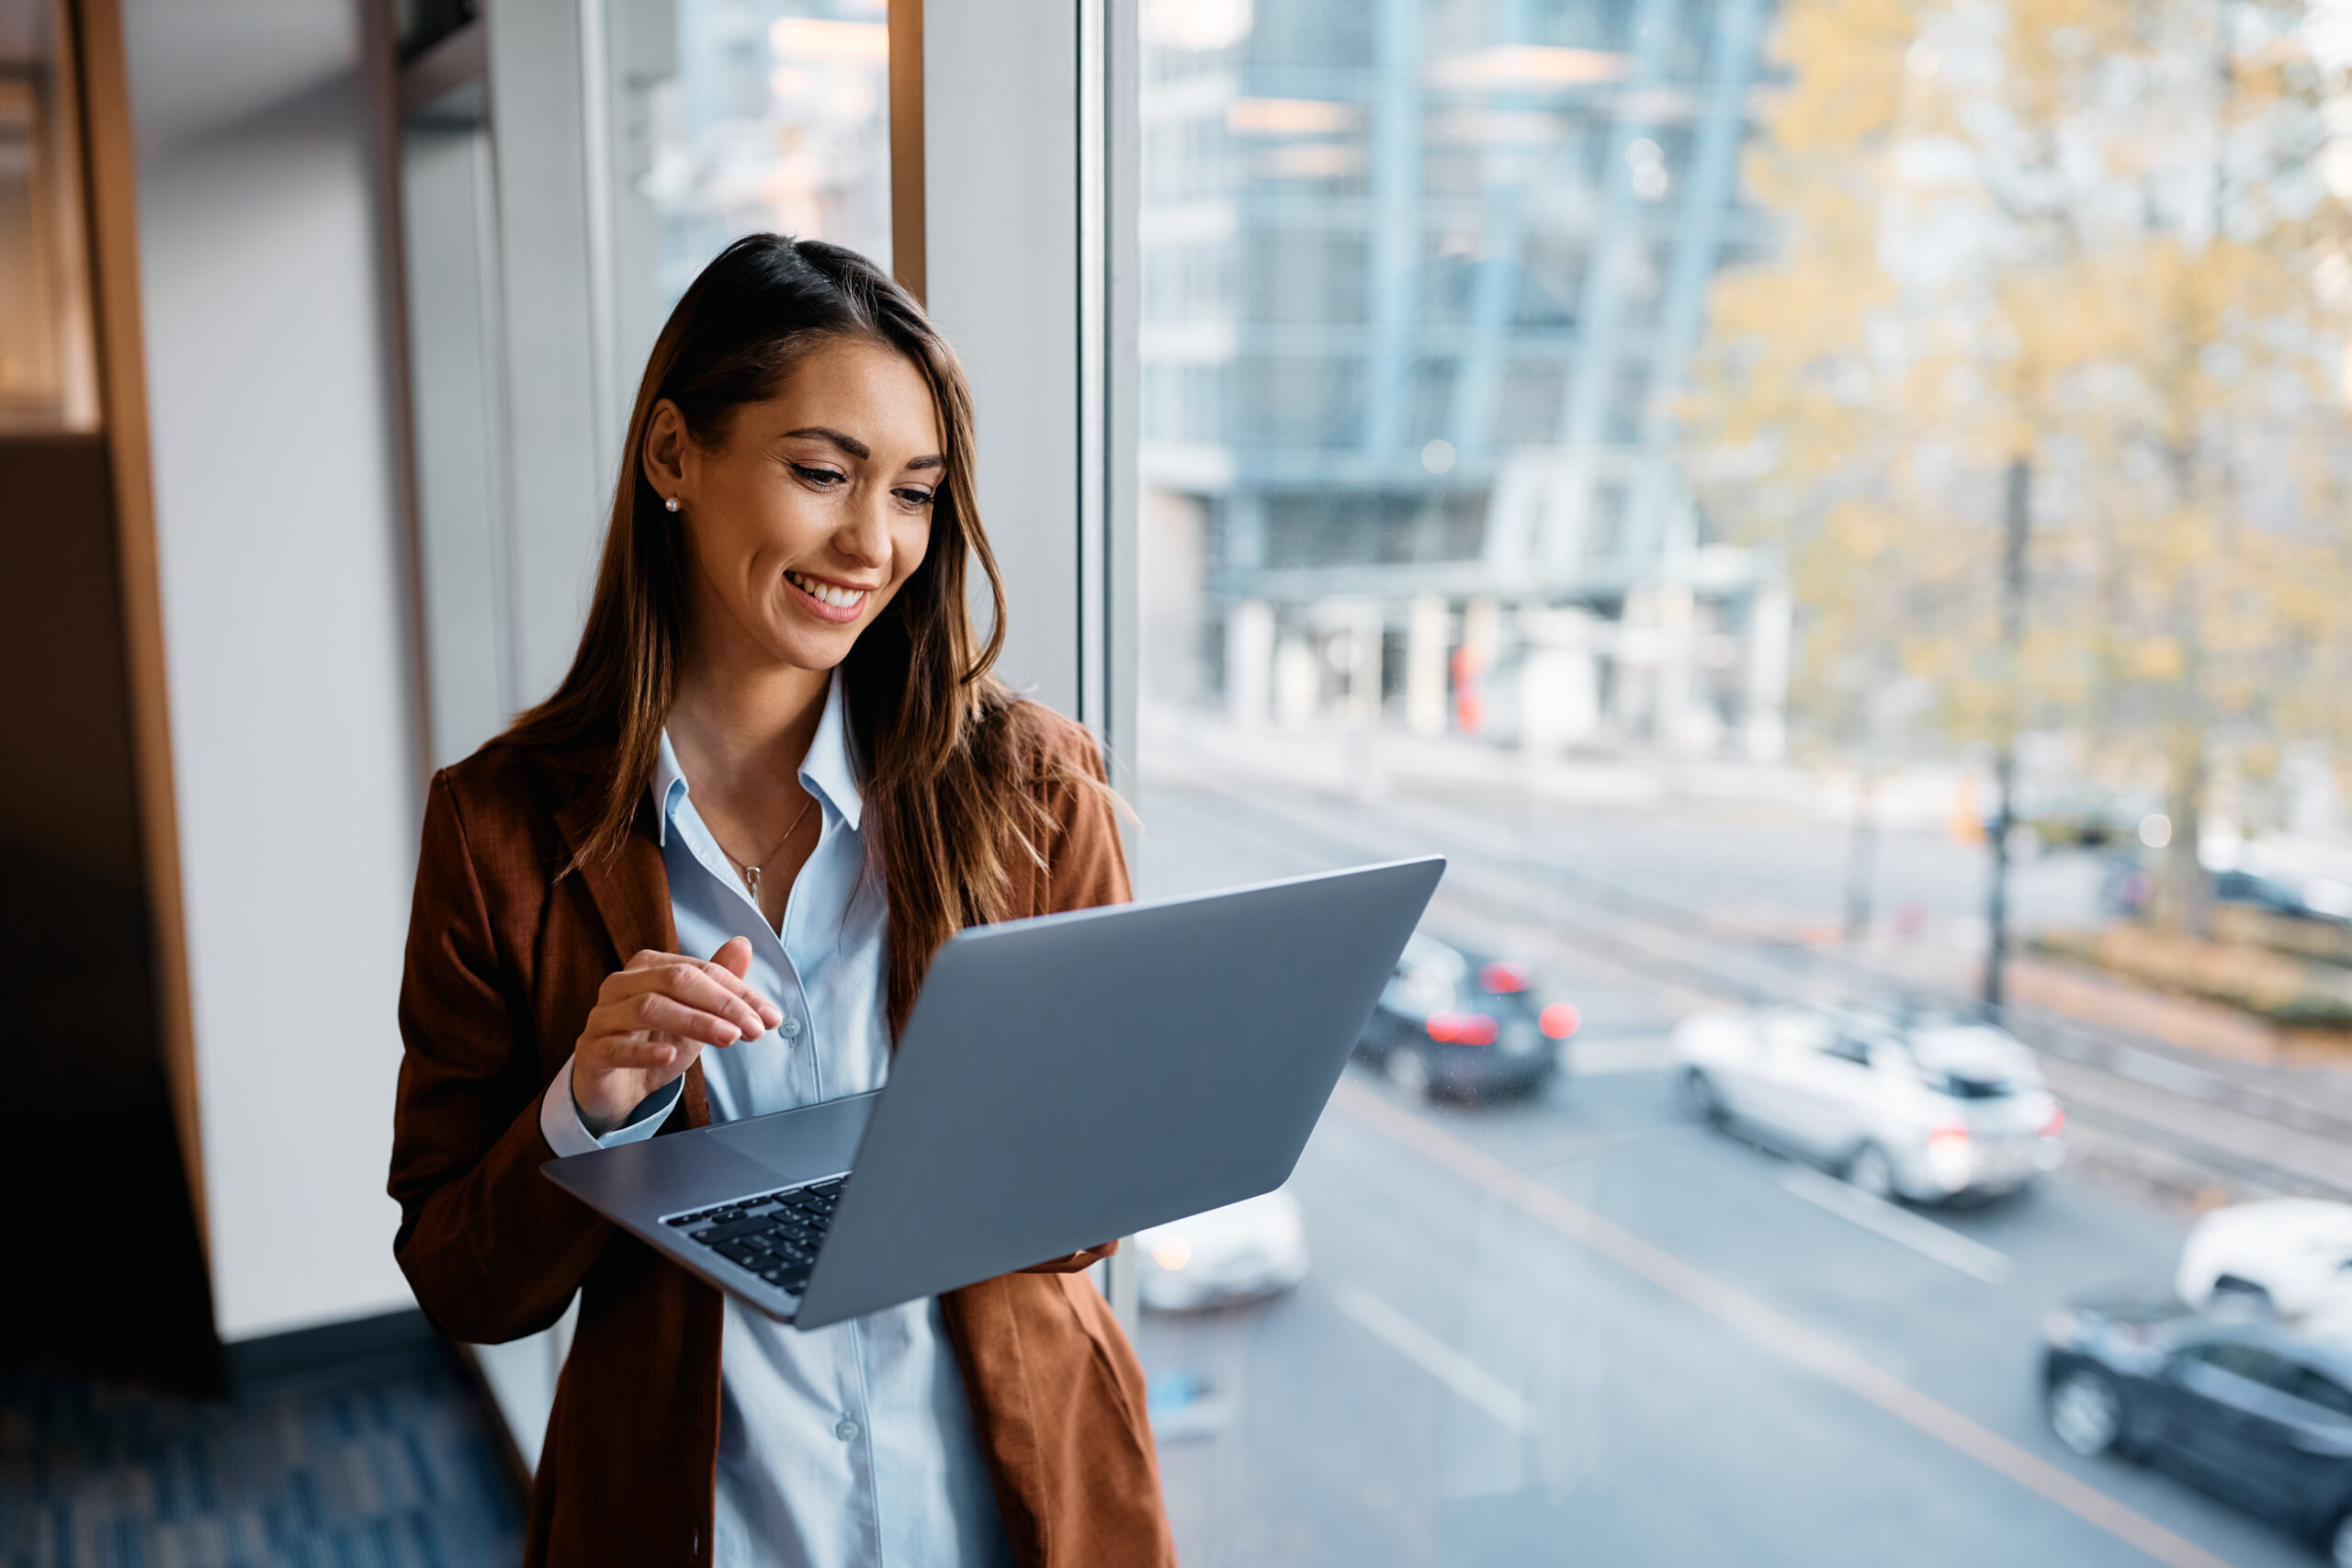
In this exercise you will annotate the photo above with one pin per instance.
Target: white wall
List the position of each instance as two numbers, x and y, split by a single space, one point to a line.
286 634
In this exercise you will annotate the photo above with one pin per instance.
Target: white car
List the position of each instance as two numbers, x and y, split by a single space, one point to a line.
2289 1255
1926 1106
1256 1248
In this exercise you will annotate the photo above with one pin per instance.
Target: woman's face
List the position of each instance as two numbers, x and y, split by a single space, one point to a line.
805 523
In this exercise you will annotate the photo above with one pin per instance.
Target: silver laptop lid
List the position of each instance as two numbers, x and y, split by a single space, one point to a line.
1075 1077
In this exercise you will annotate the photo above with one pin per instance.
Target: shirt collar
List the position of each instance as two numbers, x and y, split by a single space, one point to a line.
828 771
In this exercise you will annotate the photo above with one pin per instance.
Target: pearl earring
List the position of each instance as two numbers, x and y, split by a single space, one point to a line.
671 503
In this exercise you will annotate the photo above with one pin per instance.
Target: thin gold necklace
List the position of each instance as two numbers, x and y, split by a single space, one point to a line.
750 874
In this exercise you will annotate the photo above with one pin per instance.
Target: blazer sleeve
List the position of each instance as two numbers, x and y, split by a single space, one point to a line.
492 1249
1087 866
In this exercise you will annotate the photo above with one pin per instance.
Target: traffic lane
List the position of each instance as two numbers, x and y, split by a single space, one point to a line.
1731 857
1660 1434
1190 841
1619 1146
1194 840
1699 861
1194 843
1981 1361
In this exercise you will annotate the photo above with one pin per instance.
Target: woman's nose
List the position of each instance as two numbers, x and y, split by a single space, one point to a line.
864 538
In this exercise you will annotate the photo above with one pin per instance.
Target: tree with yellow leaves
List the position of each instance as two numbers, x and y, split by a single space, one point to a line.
2076 264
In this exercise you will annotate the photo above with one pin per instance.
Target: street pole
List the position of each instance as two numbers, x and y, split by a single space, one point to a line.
1861 854
2017 507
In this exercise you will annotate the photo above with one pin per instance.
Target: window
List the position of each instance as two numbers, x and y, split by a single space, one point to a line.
1551 279
1848 1048
1300 401
2317 1389
732 117
1692 468
2251 1362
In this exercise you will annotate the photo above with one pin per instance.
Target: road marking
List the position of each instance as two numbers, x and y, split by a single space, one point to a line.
1898 1224
1783 1335
1435 1356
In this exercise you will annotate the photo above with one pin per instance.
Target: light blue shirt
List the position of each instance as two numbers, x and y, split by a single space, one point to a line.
850 1446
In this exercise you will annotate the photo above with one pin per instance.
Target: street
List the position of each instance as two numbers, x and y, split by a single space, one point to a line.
1586 1329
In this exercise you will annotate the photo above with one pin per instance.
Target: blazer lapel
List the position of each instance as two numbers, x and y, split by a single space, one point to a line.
631 892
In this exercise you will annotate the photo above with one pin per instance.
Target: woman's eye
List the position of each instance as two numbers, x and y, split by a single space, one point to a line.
915 497
824 479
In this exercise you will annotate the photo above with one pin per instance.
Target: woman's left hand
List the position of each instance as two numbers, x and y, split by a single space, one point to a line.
1075 1261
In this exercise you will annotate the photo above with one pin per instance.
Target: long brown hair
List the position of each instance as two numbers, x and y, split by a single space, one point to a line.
950 771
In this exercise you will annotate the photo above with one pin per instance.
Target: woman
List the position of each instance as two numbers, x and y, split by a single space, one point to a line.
702 881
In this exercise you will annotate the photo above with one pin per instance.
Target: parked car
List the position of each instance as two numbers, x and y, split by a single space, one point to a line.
1451 1022
2245 1408
2286 1256
1244 1251
2129 886
1923 1105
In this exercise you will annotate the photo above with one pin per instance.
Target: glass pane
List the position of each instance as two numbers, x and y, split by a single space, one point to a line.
768 115
48 376
1821 508
729 118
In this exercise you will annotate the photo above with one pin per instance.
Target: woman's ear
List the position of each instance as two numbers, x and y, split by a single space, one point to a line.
665 457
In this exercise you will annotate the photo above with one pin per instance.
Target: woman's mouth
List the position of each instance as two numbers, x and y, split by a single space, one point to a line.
830 600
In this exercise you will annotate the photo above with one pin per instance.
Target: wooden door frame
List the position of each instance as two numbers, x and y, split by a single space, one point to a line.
99 71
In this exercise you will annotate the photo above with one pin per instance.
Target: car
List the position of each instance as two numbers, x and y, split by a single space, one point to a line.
1453 1023
1242 1252
2290 1256
2245 1407
1904 1102
2128 887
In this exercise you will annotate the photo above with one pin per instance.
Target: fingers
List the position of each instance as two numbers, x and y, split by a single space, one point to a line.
642 1054
657 1013
727 968
702 985
734 962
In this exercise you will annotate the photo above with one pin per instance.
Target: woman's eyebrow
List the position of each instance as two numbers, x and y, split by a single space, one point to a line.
858 449
849 444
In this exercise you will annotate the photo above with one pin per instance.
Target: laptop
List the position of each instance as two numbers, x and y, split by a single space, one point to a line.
1063 1080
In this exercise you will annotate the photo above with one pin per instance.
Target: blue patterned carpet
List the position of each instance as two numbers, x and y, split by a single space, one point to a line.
386 1464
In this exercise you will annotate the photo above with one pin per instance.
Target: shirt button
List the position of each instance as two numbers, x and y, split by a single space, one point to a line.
845 1429
790 1028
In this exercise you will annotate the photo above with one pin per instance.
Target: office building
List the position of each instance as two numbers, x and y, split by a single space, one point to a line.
1421 286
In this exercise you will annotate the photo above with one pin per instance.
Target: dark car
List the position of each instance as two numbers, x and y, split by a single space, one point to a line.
1452 1023
2129 886
2243 1405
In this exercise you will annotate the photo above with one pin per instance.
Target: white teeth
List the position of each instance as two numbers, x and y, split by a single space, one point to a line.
826 593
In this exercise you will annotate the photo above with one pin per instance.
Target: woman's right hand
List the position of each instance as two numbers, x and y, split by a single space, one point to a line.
652 1019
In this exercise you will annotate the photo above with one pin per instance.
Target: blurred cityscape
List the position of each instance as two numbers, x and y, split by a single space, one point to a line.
1833 517
1824 513
1642 410
1420 288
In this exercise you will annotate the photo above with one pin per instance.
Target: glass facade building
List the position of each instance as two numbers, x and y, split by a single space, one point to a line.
1422 284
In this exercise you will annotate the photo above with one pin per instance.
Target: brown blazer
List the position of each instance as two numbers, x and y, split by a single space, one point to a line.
504 965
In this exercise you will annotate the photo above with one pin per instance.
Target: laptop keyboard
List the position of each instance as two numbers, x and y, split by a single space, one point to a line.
774 1235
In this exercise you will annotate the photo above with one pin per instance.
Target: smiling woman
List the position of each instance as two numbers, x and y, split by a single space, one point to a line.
778 351
804 518
778 775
